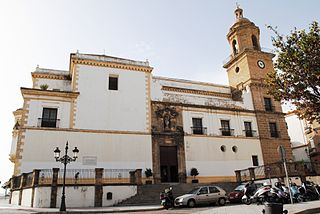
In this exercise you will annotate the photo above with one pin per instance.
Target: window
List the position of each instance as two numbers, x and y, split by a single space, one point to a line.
109 196
234 149
225 128
255 42
248 129
268 104
223 148
234 47
213 189
255 161
273 130
49 117
203 190
113 83
197 126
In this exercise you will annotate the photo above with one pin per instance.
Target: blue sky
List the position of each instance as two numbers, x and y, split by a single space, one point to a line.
181 39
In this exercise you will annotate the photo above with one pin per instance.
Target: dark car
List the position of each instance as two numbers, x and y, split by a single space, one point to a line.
236 195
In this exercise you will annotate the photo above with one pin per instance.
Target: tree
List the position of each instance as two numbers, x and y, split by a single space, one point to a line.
296 77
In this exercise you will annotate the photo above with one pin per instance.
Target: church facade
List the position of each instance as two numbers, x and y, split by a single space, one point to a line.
120 116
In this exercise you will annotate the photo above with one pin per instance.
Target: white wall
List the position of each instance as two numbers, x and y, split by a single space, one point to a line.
42 197
26 197
113 151
300 154
102 109
36 109
169 96
211 119
82 196
119 193
62 85
296 129
204 153
15 197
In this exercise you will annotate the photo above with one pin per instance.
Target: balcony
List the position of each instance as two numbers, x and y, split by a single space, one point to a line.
250 133
46 122
275 134
199 130
227 132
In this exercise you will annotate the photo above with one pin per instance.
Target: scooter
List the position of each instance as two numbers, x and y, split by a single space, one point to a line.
167 200
309 191
260 196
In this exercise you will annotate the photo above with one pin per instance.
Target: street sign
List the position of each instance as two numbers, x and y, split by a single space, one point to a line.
282 152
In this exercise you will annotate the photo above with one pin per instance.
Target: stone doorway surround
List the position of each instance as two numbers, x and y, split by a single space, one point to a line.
167 130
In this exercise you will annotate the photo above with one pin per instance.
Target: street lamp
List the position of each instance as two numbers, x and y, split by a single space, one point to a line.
65 159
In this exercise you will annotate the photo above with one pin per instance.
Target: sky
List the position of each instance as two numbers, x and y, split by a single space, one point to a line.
180 38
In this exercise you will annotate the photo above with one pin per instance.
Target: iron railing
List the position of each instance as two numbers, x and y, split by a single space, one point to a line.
199 130
227 132
250 133
276 170
117 175
46 122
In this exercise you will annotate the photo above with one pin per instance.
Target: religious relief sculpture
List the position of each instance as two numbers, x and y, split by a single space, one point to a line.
168 116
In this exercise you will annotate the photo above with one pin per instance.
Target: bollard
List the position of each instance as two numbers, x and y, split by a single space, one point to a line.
273 208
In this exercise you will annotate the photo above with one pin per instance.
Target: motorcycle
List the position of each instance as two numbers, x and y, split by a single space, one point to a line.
309 191
261 195
166 197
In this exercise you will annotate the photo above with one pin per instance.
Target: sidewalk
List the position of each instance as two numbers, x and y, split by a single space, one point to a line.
300 208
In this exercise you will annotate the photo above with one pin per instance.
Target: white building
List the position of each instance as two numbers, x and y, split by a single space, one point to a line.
120 116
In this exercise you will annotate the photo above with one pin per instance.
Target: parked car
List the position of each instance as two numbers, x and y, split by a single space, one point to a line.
202 195
236 195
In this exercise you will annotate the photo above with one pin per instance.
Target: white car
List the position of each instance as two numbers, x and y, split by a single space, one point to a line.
202 195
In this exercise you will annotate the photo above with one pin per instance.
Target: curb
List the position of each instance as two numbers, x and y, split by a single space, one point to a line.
103 211
308 211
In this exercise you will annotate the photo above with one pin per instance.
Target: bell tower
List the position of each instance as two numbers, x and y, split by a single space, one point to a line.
247 69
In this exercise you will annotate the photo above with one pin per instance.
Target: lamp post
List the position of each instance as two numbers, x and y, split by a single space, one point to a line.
65 159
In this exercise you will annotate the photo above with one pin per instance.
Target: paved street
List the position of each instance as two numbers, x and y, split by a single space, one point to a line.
228 209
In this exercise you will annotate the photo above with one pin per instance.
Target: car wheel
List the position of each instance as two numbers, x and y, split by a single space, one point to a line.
222 201
191 203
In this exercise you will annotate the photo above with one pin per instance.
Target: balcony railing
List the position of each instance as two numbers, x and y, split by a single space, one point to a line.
269 108
199 130
267 50
250 133
275 134
227 132
46 122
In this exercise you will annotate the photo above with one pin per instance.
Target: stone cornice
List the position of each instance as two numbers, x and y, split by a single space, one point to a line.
146 69
50 76
246 51
87 130
206 107
198 92
39 92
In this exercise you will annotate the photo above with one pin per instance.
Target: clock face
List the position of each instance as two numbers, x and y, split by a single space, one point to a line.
261 64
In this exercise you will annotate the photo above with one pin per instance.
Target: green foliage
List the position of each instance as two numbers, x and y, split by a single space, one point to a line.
194 172
148 172
296 77
44 87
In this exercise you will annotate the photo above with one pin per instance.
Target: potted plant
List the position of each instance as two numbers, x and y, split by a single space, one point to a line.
194 173
148 173
44 87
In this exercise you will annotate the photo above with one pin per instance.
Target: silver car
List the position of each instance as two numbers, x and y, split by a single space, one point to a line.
202 195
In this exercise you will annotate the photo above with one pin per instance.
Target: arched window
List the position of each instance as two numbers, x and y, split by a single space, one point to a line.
234 47
109 196
255 42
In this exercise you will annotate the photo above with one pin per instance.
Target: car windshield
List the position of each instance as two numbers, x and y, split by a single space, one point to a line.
239 188
194 191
